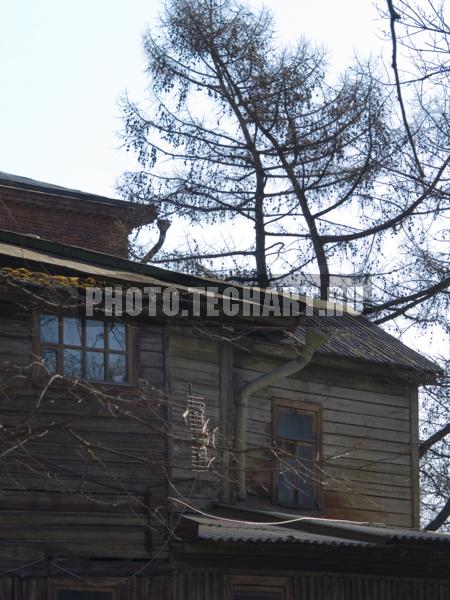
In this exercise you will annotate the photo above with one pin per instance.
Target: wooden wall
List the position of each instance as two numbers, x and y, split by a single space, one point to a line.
194 360
203 585
88 482
368 441
80 501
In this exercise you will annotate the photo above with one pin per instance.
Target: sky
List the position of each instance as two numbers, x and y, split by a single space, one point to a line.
65 65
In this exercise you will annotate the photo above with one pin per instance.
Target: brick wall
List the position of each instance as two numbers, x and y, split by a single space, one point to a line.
71 221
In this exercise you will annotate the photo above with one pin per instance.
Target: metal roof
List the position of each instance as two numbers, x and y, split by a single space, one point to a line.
355 337
221 531
305 530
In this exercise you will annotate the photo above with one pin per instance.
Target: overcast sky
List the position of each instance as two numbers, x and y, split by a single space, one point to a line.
64 64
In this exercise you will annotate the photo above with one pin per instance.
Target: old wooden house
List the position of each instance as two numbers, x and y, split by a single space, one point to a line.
156 456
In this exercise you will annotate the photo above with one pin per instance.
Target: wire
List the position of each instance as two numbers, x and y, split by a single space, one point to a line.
145 566
273 523
35 562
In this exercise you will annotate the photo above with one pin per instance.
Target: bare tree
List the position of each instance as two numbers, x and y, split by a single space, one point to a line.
246 131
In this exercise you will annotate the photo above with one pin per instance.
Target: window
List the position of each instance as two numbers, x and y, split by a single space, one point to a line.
297 442
259 588
257 593
83 348
84 594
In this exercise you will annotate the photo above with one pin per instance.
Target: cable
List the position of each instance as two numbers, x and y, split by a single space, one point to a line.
35 562
273 523
141 569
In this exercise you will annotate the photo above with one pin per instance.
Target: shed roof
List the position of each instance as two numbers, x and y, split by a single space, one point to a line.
307 530
220 531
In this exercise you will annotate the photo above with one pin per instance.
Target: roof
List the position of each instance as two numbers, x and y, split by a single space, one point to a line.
220 531
352 336
26 183
307 530
355 337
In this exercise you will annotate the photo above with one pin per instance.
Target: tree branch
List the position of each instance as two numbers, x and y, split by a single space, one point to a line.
440 518
433 439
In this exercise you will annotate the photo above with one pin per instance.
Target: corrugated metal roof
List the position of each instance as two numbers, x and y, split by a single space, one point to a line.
356 338
221 531
303 530
389 532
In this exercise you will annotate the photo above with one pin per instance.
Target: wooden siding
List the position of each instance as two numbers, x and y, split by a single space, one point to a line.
196 361
358 588
369 439
368 472
64 497
201 585
366 441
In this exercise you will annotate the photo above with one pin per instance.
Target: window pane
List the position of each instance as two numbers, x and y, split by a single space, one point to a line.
258 595
95 366
287 481
295 425
73 363
72 331
117 340
50 358
95 334
306 477
118 368
49 329
83 595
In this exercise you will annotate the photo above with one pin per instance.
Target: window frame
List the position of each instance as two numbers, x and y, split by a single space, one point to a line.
76 587
39 346
300 407
260 584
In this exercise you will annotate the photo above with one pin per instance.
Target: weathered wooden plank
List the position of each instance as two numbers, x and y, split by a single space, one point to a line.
94 422
10 520
415 477
347 409
341 484
45 501
302 384
151 358
358 447
153 375
338 511
367 478
98 470
64 483
209 392
151 337
399 465
355 447
193 344
363 499
366 421
190 371
367 433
